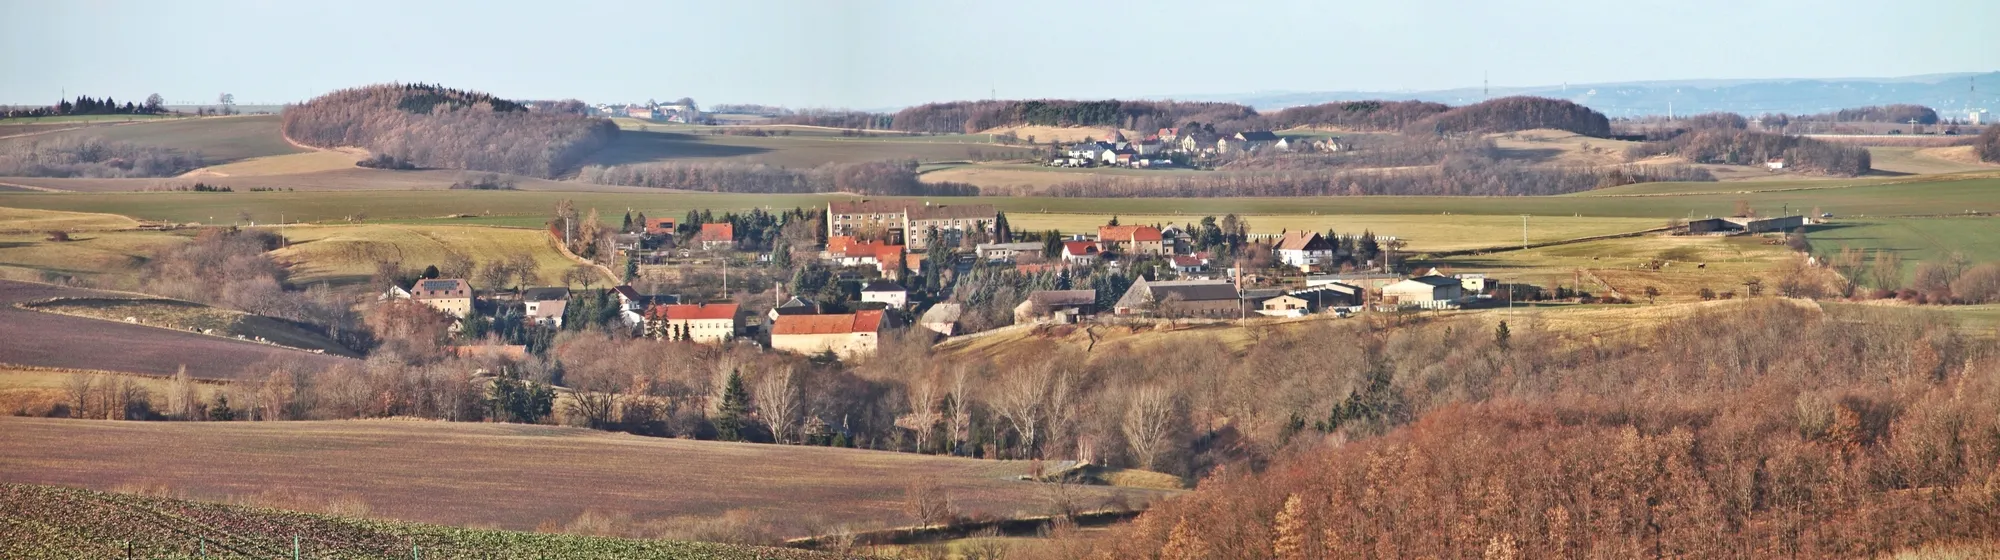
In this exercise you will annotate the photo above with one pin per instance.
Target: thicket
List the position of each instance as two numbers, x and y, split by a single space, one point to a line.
1455 176
232 268
878 178
1715 436
1510 114
427 125
1362 115
1742 147
93 158
1988 145
87 105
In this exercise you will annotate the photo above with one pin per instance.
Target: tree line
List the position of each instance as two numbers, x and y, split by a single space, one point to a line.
1735 146
876 178
1499 115
1455 176
431 126
1988 145
86 105
93 158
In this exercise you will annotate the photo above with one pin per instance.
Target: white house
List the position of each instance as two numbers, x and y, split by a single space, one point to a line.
1306 250
887 292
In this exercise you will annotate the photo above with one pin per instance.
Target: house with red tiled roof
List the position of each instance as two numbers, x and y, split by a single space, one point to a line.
1306 250
704 323
716 237
659 226
847 334
1080 252
1131 240
845 250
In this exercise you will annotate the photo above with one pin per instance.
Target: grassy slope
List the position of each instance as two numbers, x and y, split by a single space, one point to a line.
109 258
183 315
516 476
1916 240
49 522
346 254
219 139
1422 232
15 220
1728 261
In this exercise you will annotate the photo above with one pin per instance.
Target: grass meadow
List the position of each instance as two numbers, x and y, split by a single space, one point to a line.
346 254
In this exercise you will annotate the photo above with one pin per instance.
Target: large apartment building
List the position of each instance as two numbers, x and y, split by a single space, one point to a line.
904 222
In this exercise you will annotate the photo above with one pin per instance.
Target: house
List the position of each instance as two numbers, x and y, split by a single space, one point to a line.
628 242
659 226
795 306
1428 292
1286 143
1775 164
847 251
1131 240
942 318
1190 298
1247 141
703 323
1190 264
631 305
394 292
546 305
1752 224
716 237
885 291
1331 144
1080 252
1198 142
1005 252
846 334
1176 240
907 221
451 295
1056 306
641 113
1169 134
1308 251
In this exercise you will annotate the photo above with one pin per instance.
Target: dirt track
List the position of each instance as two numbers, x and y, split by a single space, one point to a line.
33 338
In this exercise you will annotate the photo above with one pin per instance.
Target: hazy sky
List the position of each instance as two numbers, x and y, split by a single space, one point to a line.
824 53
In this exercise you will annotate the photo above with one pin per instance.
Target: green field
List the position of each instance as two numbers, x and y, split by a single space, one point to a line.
1916 240
82 119
805 147
219 139
1421 232
346 254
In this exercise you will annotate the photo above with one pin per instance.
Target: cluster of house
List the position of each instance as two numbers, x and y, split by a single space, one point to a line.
654 241
1158 149
651 111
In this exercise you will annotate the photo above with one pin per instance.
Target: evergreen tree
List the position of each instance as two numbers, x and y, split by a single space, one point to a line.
431 272
628 223
735 406
219 410
1002 233
1114 221
781 254
1502 335
631 268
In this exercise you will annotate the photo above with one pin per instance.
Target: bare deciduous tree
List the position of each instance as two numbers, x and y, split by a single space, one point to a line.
779 402
1149 423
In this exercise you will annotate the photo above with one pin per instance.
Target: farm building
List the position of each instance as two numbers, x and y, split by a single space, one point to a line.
794 306
1006 252
1056 306
546 305
1131 240
452 296
1425 291
1734 224
942 318
1195 298
705 323
1287 305
1370 281
846 335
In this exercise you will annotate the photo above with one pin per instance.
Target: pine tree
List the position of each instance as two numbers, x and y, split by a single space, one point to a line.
1114 221
219 410
1002 233
1501 336
735 405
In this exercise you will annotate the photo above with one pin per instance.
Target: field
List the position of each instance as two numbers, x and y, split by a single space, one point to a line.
61 341
288 164
1726 262
14 220
242 177
1916 240
347 254
219 139
194 317
1422 232
1920 161
107 258
521 477
80 119
52 522
37 391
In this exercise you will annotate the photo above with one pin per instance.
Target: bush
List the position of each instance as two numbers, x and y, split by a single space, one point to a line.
1988 145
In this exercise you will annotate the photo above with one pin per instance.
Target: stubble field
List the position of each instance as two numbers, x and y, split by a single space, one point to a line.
39 339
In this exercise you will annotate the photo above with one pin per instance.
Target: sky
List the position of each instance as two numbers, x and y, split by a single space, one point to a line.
886 54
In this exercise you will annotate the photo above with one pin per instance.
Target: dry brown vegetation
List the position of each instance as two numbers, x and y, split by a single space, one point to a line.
523 477
431 126
1747 431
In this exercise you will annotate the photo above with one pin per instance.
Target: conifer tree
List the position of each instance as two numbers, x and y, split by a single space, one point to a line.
735 405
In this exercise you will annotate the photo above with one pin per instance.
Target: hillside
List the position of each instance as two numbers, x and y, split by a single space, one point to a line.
53 522
63 341
218 139
455 473
430 126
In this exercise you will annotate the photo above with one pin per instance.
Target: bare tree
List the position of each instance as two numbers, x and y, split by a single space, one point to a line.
1018 399
926 500
779 402
455 265
959 421
923 394
1149 423
182 400
78 387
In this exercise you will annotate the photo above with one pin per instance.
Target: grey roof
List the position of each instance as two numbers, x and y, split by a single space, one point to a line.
1353 276
544 294
1263 293
1436 280
1192 290
1259 136
942 313
882 285
1063 297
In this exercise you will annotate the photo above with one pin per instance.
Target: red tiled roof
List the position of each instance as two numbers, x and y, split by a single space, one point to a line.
441 288
860 321
659 225
718 232
1079 248
1302 241
693 312
1128 233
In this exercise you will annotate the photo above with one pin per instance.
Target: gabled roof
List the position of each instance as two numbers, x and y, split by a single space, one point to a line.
441 287
627 293
859 321
1052 298
1079 248
545 294
1191 290
1185 261
882 285
718 232
659 224
693 312
1434 281
942 313
1257 136
1128 233
1303 241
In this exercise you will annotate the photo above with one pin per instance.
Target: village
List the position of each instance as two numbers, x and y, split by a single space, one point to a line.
1183 146
878 277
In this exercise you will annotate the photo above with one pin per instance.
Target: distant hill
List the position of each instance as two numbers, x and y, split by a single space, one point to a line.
1945 92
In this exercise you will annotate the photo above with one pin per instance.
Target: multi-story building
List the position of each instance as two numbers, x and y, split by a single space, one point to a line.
450 295
905 222
705 323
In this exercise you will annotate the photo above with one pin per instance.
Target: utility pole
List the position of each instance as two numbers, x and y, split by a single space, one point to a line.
1524 232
